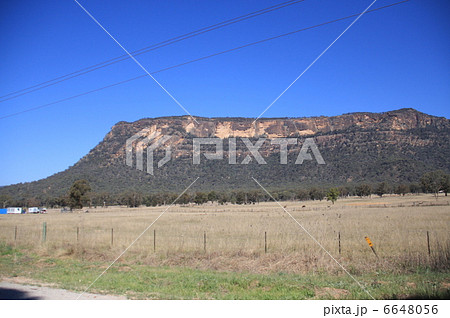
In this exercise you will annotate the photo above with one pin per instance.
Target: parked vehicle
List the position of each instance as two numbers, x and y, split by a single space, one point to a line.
34 210
37 210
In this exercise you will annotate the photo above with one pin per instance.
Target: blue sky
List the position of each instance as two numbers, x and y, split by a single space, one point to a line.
397 57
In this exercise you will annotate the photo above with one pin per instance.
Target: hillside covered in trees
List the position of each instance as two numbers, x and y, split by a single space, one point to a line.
396 147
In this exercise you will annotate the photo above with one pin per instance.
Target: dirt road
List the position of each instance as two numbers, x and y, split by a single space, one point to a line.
9 290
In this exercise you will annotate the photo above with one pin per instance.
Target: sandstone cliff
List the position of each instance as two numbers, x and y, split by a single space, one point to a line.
396 146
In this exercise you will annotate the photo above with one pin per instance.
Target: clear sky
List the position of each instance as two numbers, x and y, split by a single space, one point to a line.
393 58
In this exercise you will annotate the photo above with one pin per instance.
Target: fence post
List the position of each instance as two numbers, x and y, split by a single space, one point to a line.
204 241
15 234
428 243
371 245
339 239
78 234
265 242
154 240
112 236
44 231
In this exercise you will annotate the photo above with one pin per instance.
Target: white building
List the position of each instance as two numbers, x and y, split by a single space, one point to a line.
15 210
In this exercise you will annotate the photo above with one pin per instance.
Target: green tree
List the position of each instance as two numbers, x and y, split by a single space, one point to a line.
78 193
150 200
415 188
223 198
184 199
381 189
241 197
446 184
402 189
5 200
132 199
255 196
434 181
363 190
63 200
316 194
302 195
344 191
212 196
200 198
333 195
33 201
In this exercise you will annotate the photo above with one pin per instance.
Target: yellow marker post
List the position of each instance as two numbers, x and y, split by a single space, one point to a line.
371 245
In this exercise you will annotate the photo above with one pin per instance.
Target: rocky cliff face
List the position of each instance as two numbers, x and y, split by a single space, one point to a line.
396 146
403 119
327 131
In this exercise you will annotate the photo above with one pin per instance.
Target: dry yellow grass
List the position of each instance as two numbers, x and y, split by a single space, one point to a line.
235 234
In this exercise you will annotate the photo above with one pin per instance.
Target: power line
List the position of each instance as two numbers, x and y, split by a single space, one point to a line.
147 49
198 59
313 62
136 61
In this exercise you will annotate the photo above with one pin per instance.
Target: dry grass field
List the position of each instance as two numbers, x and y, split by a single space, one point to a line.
235 235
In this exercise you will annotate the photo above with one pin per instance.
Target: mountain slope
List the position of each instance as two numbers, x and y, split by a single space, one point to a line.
396 146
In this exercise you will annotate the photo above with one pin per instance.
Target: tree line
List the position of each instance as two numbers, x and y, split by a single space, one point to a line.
81 195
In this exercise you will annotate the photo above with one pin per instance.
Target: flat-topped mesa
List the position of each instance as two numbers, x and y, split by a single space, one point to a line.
402 119
396 146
